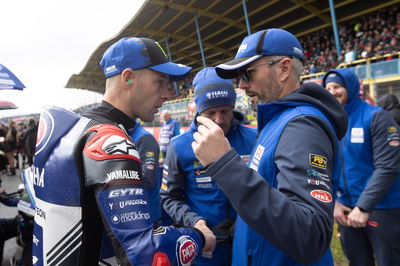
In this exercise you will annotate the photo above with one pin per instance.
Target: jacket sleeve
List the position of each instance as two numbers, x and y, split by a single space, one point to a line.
113 171
172 191
289 216
149 151
386 154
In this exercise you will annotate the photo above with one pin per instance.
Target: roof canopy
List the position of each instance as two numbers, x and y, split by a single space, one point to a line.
222 28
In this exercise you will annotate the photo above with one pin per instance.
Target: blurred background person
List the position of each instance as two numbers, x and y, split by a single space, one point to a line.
169 129
390 102
10 146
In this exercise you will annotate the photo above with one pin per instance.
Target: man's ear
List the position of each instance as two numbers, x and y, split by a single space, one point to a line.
127 77
285 68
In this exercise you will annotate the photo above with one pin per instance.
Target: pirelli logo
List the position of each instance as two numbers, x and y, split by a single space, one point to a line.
317 160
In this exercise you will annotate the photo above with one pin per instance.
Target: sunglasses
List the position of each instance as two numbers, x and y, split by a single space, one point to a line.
245 74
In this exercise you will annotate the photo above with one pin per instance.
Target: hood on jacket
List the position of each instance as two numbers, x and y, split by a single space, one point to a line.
314 94
388 101
352 85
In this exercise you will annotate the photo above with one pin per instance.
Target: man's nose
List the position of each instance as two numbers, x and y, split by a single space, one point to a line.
218 119
243 84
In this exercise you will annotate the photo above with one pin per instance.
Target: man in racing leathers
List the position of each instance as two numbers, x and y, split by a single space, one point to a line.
89 187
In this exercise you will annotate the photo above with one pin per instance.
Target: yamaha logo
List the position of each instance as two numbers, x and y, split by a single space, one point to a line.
45 130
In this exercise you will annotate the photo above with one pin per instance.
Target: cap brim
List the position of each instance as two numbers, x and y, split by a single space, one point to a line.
175 71
229 70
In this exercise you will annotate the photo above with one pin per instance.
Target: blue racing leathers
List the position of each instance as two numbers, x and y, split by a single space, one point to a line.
188 194
90 191
285 199
371 148
149 151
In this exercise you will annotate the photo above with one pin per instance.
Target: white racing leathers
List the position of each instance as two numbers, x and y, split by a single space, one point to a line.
91 202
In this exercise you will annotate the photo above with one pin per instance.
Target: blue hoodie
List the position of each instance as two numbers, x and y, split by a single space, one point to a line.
285 199
188 194
371 150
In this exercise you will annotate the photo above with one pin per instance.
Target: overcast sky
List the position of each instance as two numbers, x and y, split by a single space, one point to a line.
44 42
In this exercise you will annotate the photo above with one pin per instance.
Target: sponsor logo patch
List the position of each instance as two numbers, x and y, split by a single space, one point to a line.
392 129
134 216
394 143
317 160
318 174
316 182
110 142
203 179
149 154
259 152
357 135
186 249
45 131
125 192
123 174
321 195
123 204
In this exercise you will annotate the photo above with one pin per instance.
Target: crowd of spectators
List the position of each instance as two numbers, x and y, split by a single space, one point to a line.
17 144
368 36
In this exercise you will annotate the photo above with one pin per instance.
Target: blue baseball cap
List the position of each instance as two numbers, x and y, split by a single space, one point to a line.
334 77
210 90
265 42
137 53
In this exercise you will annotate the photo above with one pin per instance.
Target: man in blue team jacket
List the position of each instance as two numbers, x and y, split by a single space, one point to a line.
370 185
189 195
285 199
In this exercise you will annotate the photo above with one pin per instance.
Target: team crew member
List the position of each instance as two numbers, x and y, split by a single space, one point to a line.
284 200
169 129
189 195
89 183
149 151
370 183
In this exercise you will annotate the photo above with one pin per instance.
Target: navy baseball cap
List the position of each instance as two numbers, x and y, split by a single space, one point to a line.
210 90
265 42
137 53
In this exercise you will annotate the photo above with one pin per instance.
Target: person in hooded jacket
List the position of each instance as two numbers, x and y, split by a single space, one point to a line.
390 102
285 198
368 207
188 194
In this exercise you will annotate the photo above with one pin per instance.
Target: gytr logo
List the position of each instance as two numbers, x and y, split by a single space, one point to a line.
125 192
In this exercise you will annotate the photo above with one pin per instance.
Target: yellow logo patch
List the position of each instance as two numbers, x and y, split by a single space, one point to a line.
392 129
149 154
317 160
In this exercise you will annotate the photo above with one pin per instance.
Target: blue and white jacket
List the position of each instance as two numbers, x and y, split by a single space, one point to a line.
371 150
285 199
188 194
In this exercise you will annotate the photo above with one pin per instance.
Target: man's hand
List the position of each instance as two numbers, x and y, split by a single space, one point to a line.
339 213
357 218
209 236
209 142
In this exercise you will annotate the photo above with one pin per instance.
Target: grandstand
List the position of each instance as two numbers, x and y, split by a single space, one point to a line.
369 36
